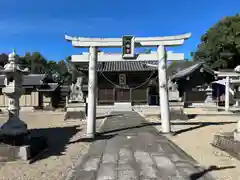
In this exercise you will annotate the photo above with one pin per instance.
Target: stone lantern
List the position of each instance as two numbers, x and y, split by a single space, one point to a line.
16 141
14 127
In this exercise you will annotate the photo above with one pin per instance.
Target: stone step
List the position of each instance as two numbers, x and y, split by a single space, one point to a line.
122 106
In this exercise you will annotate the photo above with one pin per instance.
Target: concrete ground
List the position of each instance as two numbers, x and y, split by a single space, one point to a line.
128 147
66 144
196 134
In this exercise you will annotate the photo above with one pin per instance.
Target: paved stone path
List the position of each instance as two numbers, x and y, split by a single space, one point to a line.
130 149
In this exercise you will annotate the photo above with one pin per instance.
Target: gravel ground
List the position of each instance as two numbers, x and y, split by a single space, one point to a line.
62 154
195 139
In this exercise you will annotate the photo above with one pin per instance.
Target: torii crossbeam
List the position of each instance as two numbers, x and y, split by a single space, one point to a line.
161 55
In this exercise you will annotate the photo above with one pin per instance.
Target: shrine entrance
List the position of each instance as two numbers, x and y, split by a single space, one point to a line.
128 44
122 95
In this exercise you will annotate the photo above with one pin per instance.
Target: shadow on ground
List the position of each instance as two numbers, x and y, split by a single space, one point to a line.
180 115
200 174
98 136
196 125
78 114
109 115
57 139
176 115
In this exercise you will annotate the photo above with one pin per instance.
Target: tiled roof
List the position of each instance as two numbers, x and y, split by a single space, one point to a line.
33 79
118 66
28 80
179 65
50 87
185 72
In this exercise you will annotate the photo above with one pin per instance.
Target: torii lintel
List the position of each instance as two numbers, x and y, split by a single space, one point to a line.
139 41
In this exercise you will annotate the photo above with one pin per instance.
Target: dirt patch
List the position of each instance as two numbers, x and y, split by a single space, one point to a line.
62 154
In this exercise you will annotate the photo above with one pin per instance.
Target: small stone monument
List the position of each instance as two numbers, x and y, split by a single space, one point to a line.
173 92
76 105
209 103
14 133
76 94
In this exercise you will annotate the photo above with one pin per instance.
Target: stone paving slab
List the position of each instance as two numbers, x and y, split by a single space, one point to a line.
131 149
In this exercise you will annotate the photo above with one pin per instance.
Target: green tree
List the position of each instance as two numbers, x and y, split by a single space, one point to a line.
220 45
39 64
35 62
64 71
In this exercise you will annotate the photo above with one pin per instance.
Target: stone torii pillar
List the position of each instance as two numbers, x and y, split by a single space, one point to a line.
92 92
92 57
163 88
227 94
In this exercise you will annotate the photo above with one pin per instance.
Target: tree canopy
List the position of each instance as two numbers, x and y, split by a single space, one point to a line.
38 65
220 45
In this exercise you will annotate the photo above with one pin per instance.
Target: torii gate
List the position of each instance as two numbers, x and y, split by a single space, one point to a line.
93 56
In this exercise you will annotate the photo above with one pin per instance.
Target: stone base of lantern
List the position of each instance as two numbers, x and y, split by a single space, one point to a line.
21 147
227 143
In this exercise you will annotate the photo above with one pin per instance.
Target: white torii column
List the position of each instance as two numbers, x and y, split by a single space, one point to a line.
92 92
163 89
227 94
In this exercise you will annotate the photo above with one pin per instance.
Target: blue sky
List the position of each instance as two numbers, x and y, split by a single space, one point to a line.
29 25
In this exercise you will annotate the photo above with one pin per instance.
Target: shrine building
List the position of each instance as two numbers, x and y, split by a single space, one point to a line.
40 91
124 81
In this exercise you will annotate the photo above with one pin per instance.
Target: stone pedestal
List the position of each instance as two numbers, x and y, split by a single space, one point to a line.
21 147
173 96
76 110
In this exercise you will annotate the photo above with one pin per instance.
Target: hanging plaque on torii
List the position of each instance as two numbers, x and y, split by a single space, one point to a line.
128 47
